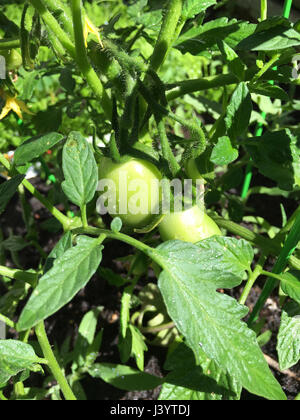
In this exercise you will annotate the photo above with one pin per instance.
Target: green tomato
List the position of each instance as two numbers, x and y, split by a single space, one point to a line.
134 191
13 59
192 225
200 168
192 170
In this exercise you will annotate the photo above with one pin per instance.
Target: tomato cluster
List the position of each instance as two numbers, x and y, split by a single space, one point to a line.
191 225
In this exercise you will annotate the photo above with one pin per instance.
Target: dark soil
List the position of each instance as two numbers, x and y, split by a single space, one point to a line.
99 293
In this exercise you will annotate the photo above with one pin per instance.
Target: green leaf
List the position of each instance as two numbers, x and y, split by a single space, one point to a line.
116 225
33 394
210 321
49 120
29 84
288 345
272 91
80 170
111 277
86 335
133 345
94 349
138 346
70 273
290 284
277 156
191 8
8 189
14 243
124 377
205 382
35 147
234 62
238 111
274 38
66 80
61 247
16 357
203 38
223 152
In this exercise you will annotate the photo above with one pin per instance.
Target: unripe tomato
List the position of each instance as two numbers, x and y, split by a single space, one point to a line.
192 170
192 225
13 59
132 178
200 168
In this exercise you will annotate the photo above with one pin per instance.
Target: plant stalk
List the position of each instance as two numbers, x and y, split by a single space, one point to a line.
52 362
83 61
54 26
252 279
8 44
30 278
7 321
167 33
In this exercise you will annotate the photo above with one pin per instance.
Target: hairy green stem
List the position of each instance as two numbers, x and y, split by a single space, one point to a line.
252 279
64 220
65 17
167 33
197 85
52 362
166 148
265 68
56 45
7 321
154 330
54 26
196 131
8 44
118 236
78 53
83 61
184 87
84 217
272 275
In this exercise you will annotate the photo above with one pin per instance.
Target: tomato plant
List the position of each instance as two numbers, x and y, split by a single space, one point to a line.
149 201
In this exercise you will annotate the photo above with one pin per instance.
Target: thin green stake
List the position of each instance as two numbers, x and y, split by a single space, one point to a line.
289 247
259 130
287 8
249 172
